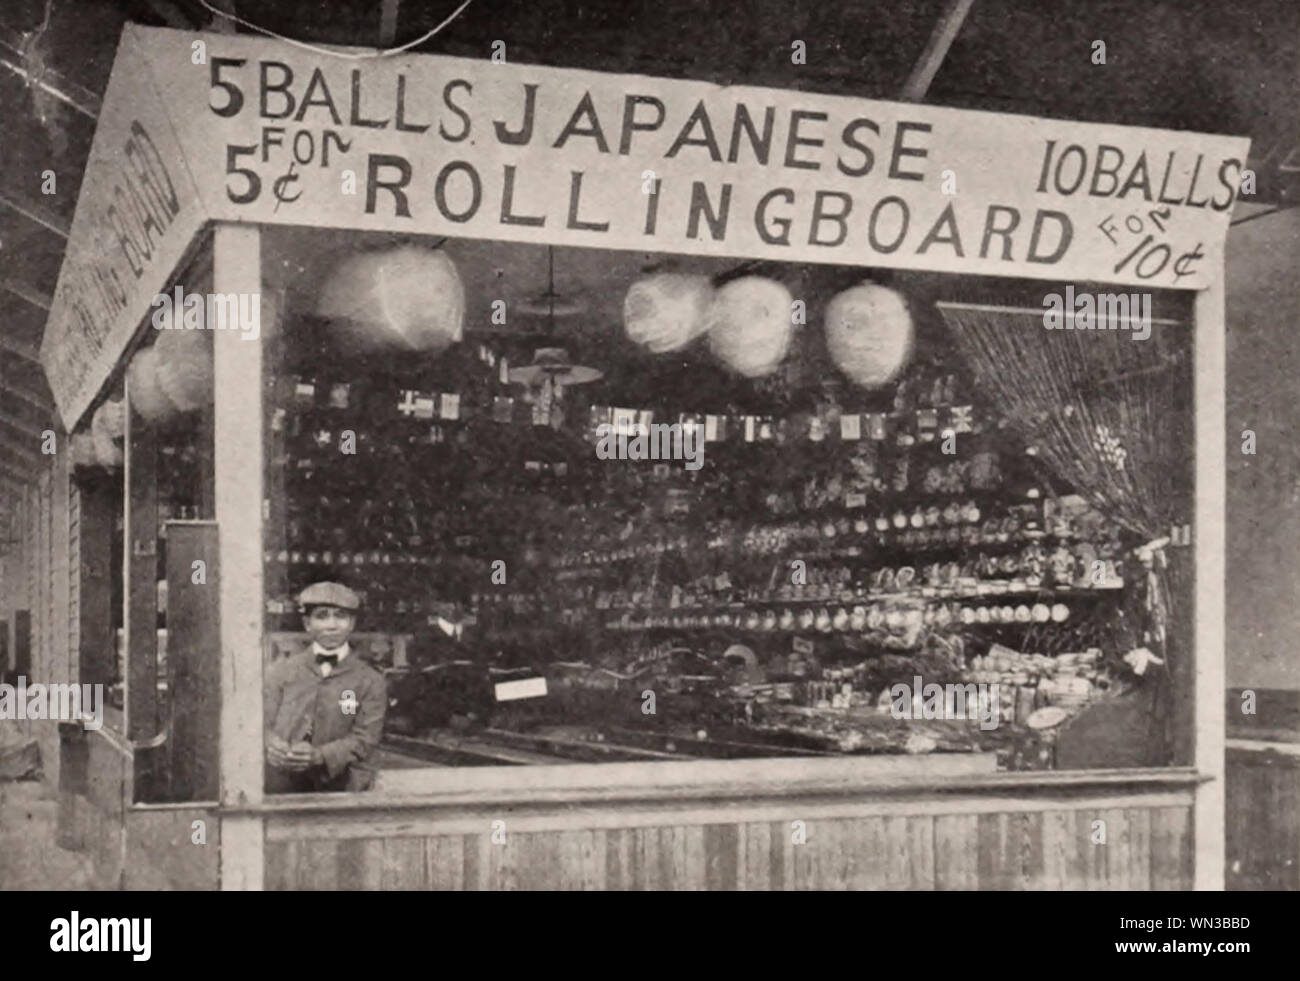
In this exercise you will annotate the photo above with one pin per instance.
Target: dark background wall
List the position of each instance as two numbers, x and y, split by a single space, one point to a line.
1263 565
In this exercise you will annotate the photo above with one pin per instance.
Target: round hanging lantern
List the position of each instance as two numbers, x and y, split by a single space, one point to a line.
869 333
184 368
409 298
83 450
667 311
106 427
147 396
110 418
750 325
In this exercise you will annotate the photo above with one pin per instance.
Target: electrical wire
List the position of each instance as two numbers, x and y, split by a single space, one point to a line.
327 51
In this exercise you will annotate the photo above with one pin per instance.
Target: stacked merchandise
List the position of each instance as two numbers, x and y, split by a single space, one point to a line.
846 530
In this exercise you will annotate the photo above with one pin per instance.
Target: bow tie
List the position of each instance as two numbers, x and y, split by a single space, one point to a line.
331 659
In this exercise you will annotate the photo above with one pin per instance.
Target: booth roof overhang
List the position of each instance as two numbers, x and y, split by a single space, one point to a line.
200 127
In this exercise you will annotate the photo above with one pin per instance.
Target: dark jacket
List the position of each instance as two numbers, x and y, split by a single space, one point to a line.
301 705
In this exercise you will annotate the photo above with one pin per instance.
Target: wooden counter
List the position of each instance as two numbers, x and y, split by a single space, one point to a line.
976 831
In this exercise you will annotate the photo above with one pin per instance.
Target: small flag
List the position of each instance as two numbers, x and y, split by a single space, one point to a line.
407 405
850 426
423 406
714 428
927 421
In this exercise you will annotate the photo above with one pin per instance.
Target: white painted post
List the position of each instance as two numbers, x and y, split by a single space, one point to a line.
1211 544
237 420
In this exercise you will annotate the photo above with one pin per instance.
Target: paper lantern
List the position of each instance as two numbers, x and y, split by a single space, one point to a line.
110 418
667 311
106 427
869 333
408 298
107 453
147 397
750 325
184 368
83 450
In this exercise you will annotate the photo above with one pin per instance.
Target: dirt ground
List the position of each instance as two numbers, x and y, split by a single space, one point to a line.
30 859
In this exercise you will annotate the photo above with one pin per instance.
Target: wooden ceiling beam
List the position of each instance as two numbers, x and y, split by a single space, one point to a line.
25 292
388 22
172 15
19 349
23 451
22 411
935 50
64 89
36 210
223 25
30 399
23 429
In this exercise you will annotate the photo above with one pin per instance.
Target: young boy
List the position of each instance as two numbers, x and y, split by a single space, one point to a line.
324 706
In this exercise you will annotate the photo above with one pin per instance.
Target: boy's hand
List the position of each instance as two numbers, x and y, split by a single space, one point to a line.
277 751
280 754
303 756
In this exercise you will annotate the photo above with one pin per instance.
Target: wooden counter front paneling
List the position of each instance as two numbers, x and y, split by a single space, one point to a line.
1263 828
1048 845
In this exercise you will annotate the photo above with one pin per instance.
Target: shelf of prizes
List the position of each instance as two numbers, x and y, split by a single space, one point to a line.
773 527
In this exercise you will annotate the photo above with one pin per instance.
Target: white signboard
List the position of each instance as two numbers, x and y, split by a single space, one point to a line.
472 148
137 213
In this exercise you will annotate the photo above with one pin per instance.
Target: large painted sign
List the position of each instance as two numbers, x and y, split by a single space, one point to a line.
451 146
138 211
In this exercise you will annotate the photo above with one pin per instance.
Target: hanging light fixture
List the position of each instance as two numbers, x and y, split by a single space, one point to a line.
552 370
869 333
666 311
408 298
750 323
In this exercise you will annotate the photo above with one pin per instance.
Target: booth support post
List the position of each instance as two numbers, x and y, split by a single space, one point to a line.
237 268
1211 542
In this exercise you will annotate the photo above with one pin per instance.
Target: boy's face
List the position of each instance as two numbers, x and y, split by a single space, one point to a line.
329 626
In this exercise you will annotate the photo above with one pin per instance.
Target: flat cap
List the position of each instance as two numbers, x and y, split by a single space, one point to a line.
329 594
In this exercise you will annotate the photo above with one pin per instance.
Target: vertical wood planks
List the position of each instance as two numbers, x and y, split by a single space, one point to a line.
723 858
1171 848
956 839
443 863
618 859
756 865
1047 850
1061 866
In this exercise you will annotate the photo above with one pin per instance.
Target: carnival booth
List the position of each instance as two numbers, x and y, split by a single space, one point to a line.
744 488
